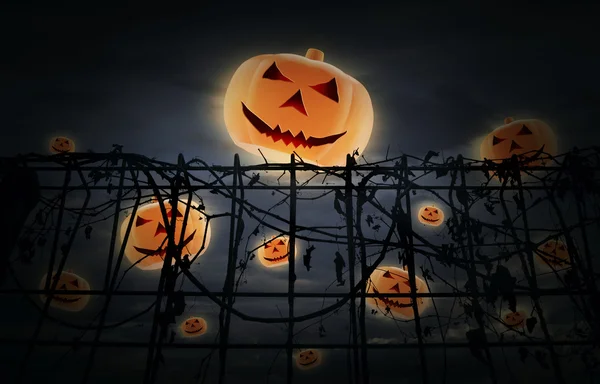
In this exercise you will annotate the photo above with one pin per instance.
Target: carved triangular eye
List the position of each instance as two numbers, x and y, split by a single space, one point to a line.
328 89
267 246
388 275
160 229
273 73
196 321
435 211
426 209
561 247
141 221
281 242
170 213
497 140
524 131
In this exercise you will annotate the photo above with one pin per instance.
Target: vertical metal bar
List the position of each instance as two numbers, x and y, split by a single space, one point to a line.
225 315
364 362
291 270
351 261
533 282
49 284
410 259
165 276
472 273
107 290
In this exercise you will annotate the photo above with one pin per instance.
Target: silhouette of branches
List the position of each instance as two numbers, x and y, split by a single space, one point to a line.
489 259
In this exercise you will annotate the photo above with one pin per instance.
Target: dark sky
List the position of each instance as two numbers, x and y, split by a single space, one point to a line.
153 80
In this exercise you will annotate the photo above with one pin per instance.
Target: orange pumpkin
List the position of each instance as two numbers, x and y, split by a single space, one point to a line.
281 103
148 237
430 215
67 281
516 137
308 359
553 253
514 319
62 144
386 280
193 327
275 252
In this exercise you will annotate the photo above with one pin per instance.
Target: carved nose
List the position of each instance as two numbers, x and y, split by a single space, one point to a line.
296 102
514 146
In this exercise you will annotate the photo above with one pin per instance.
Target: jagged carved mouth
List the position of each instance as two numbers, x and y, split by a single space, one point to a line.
60 149
430 220
278 258
287 137
308 362
64 299
162 250
394 303
195 331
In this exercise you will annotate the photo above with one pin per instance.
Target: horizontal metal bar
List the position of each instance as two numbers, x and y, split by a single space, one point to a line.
257 167
540 292
124 344
311 187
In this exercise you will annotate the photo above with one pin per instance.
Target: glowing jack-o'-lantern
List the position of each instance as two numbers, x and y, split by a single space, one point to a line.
514 319
516 137
308 359
553 253
275 253
430 215
281 103
386 280
193 327
67 281
147 242
62 144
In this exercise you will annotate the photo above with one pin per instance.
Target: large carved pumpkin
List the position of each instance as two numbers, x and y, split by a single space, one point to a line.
193 327
62 144
275 252
386 280
517 137
67 281
148 237
308 359
430 215
554 253
281 103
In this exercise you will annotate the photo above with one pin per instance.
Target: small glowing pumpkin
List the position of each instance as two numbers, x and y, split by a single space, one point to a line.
516 137
193 327
147 242
430 215
386 280
62 144
514 319
275 252
67 281
554 253
281 103
308 359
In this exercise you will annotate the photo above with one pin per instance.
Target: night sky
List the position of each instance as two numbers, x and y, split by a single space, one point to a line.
153 80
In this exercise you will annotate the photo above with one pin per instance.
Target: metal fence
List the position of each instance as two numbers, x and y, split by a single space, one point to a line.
486 205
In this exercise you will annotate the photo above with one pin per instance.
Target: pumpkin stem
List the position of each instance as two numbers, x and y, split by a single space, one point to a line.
315 54
508 120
